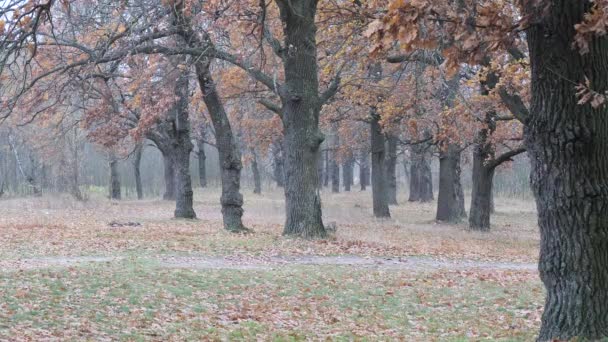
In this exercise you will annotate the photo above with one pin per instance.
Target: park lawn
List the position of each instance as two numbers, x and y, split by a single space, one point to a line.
138 299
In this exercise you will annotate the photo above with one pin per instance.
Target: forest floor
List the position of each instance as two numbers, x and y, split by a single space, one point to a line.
78 270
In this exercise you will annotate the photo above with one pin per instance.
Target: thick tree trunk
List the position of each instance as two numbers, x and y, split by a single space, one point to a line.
567 145
257 181
450 200
183 181
229 154
421 178
483 175
364 170
114 180
182 147
169 176
391 169
136 171
202 167
301 105
379 186
347 173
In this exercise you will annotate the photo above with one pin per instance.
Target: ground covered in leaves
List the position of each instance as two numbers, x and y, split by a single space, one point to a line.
126 271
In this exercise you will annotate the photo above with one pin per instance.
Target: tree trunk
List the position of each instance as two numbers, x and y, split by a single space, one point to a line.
183 181
479 215
229 154
257 181
301 105
114 180
391 169
181 147
169 194
136 171
364 170
421 178
567 145
335 174
450 200
202 166
347 173
379 192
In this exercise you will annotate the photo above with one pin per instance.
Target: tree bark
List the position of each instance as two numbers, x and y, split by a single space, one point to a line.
450 200
229 154
301 105
421 178
479 215
483 174
567 145
114 180
172 137
257 181
182 147
391 169
136 171
379 186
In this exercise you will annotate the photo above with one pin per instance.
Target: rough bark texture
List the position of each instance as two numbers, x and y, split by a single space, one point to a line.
114 180
172 137
483 173
567 145
391 169
229 154
169 176
301 105
182 148
136 171
421 178
450 200
257 181
379 193
483 176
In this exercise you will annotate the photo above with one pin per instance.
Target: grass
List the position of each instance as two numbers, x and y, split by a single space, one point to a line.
137 300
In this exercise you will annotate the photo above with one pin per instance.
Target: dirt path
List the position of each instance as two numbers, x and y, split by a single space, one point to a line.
398 263
410 263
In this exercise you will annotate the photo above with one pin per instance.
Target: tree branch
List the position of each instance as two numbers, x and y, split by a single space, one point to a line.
505 157
271 106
